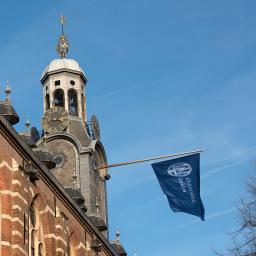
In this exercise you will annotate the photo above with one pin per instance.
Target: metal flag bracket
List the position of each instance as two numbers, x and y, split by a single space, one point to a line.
150 159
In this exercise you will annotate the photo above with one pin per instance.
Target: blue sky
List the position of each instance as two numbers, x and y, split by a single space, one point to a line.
163 77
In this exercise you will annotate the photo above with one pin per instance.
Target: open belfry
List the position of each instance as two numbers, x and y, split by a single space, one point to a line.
53 197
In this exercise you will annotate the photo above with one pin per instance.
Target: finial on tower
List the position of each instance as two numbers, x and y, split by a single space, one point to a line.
118 236
8 92
62 45
7 89
27 124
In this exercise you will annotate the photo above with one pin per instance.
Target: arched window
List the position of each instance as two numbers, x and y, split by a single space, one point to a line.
47 101
36 237
32 214
58 98
70 249
72 102
32 245
82 104
40 250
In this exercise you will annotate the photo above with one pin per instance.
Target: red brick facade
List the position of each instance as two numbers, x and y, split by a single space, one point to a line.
38 217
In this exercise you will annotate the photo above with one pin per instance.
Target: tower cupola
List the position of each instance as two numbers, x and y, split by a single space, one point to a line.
64 82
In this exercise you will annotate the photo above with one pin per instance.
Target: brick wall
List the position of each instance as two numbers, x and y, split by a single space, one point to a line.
57 225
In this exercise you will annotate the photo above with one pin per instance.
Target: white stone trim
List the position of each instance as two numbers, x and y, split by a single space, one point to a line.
47 209
16 207
5 164
15 165
80 245
5 243
16 182
6 192
60 250
58 226
88 246
16 246
20 196
51 235
9 217
58 238
16 219
17 233
13 194
31 191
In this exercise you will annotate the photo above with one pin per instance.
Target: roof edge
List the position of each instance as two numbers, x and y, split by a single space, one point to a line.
62 70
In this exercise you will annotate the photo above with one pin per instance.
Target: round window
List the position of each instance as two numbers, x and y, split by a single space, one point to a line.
72 82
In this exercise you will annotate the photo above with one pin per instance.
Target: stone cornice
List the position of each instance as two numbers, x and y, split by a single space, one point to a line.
63 70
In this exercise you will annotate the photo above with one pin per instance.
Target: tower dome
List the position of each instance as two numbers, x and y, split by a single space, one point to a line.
62 65
64 82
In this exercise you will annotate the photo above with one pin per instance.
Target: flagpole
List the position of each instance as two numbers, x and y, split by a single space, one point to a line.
149 159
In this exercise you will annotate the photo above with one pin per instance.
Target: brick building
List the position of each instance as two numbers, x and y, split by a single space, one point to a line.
52 195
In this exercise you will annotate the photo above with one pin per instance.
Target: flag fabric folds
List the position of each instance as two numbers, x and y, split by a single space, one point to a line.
180 181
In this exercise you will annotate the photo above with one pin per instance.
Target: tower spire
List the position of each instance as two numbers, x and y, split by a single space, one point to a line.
62 45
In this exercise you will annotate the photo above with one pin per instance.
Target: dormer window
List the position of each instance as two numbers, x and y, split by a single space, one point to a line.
57 82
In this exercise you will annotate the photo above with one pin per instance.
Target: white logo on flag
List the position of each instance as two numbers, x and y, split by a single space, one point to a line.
179 169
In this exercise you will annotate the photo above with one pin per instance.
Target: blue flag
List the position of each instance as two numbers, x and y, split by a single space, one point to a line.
180 181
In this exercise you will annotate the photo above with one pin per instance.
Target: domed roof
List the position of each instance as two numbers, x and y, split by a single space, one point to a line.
62 65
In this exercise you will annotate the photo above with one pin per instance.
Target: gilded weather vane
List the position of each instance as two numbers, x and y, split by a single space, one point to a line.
62 22
63 45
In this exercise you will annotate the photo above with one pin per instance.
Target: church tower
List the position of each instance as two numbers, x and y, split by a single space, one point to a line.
72 140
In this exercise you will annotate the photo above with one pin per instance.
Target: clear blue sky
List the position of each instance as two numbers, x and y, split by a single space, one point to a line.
163 77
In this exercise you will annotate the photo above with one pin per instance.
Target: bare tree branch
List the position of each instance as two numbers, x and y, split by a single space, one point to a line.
243 240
